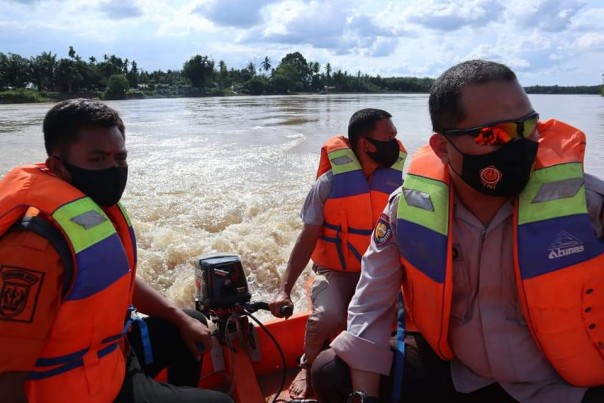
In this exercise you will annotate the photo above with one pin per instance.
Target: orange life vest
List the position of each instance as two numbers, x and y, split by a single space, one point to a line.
353 206
82 358
557 258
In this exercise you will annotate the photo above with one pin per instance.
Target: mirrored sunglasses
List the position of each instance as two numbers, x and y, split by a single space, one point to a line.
500 132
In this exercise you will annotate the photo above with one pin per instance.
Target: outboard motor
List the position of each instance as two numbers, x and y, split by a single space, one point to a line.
222 295
220 284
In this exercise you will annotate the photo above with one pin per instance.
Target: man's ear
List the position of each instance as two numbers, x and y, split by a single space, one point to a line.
439 145
365 146
56 166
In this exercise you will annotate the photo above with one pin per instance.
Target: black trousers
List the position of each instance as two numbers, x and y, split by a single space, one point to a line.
171 353
426 378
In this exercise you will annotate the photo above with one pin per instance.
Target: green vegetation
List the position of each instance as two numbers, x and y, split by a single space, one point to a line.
117 86
555 89
45 78
23 95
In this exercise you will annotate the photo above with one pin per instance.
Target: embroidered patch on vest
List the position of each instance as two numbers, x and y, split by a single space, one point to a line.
565 244
19 292
89 219
382 233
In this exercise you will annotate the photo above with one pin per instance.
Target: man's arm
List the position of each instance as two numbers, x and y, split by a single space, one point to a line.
298 259
312 217
594 191
371 312
150 302
22 337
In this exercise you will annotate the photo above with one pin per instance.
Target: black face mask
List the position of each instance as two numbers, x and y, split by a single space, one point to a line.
504 172
386 153
103 186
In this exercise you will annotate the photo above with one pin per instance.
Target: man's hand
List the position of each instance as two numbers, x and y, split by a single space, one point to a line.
194 334
281 299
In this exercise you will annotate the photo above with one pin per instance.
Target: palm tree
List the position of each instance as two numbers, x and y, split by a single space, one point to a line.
223 74
251 68
266 64
43 70
328 72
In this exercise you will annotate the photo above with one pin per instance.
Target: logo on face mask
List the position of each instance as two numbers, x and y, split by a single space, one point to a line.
503 172
490 177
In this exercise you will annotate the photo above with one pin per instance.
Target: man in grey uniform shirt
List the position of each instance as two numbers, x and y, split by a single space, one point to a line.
494 357
375 152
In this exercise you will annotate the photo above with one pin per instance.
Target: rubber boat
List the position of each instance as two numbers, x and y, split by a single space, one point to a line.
253 362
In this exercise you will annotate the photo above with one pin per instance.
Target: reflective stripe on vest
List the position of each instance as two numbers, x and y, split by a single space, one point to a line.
130 228
554 203
423 210
95 243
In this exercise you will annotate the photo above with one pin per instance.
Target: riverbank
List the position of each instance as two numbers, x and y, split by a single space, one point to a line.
23 95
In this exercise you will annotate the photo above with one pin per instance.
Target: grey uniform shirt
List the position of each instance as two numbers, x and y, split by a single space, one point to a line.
312 209
487 332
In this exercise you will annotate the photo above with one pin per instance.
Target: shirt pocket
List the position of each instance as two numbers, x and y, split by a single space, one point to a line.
461 310
513 308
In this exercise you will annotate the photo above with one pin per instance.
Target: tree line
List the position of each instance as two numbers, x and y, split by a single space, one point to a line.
113 77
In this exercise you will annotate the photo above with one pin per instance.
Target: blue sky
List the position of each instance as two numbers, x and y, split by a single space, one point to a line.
545 41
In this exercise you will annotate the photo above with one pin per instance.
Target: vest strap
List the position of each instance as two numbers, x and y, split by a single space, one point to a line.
135 317
399 353
70 361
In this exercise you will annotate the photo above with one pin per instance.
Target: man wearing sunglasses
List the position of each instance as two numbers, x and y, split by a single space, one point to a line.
495 242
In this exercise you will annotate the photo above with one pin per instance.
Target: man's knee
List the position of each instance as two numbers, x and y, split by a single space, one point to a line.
328 372
329 322
323 364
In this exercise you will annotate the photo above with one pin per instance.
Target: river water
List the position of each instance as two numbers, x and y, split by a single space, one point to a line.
215 175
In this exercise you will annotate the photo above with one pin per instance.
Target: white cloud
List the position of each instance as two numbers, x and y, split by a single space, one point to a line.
234 13
452 15
383 47
545 15
592 41
121 9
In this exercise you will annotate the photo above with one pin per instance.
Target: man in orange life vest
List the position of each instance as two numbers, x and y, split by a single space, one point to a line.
68 279
355 177
495 240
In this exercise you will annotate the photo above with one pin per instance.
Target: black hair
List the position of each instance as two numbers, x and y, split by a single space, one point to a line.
63 122
446 110
362 123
